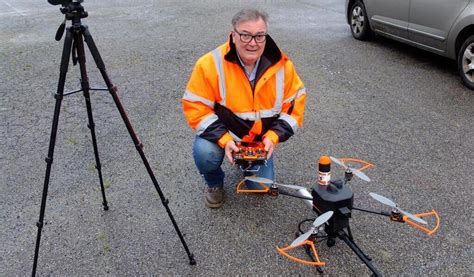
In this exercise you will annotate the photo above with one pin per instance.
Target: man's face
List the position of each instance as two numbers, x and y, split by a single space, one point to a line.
249 52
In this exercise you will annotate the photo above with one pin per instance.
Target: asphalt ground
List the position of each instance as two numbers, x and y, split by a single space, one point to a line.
398 107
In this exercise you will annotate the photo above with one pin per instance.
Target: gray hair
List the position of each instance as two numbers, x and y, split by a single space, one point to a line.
249 15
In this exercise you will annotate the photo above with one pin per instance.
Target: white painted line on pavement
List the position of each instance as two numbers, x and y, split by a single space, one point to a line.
15 9
8 13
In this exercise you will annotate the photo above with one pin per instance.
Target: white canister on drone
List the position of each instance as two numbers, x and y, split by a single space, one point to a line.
324 174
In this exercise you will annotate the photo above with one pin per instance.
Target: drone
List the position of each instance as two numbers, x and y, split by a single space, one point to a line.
333 202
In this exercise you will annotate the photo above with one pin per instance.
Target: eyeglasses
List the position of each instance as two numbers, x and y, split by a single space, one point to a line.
247 38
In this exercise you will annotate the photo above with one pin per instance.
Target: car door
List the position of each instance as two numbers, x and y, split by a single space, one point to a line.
389 17
431 20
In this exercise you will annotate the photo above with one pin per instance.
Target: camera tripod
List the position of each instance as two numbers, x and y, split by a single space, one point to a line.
74 46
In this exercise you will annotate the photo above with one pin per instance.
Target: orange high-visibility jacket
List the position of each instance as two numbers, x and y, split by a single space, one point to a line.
220 103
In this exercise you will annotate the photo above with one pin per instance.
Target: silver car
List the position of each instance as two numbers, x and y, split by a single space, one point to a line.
444 27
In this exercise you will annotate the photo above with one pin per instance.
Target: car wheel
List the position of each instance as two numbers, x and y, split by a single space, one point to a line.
359 21
466 62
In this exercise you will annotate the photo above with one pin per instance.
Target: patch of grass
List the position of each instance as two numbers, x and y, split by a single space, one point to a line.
72 141
107 184
106 248
91 167
103 238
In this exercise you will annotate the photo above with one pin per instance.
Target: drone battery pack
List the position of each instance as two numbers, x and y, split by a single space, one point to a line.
337 198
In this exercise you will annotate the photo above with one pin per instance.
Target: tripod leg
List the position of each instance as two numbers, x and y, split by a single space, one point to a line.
351 238
138 145
52 141
86 89
362 256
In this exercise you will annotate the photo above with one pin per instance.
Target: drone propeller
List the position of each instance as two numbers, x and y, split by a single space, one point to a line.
356 171
269 182
318 222
392 204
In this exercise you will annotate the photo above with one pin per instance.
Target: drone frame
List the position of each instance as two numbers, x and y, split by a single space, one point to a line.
306 243
366 165
240 188
421 227
309 244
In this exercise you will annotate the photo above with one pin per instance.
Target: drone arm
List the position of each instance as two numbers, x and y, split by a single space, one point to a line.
422 228
294 195
372 212
406 219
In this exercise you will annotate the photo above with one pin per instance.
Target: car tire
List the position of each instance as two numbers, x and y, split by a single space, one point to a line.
465 62
359 22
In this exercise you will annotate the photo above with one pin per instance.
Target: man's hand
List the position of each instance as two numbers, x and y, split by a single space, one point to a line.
229 148
269 146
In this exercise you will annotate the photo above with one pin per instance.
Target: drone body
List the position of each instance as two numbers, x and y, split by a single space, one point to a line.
335 197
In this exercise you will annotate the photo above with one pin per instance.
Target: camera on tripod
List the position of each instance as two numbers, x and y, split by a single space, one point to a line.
64 2
71 8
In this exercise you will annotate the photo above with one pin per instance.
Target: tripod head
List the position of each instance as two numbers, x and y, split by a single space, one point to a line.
63 2
73 10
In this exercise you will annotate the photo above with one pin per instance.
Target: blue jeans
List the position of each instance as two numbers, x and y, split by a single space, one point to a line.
209 156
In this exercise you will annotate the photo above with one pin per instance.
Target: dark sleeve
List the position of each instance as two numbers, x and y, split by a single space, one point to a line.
282 129
214 131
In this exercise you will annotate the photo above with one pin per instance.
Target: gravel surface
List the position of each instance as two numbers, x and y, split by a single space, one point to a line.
398 107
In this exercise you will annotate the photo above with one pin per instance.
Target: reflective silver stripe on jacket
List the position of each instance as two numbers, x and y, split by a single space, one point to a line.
296 95
202 126
280 89
290 120
220 71
257 115
191 97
